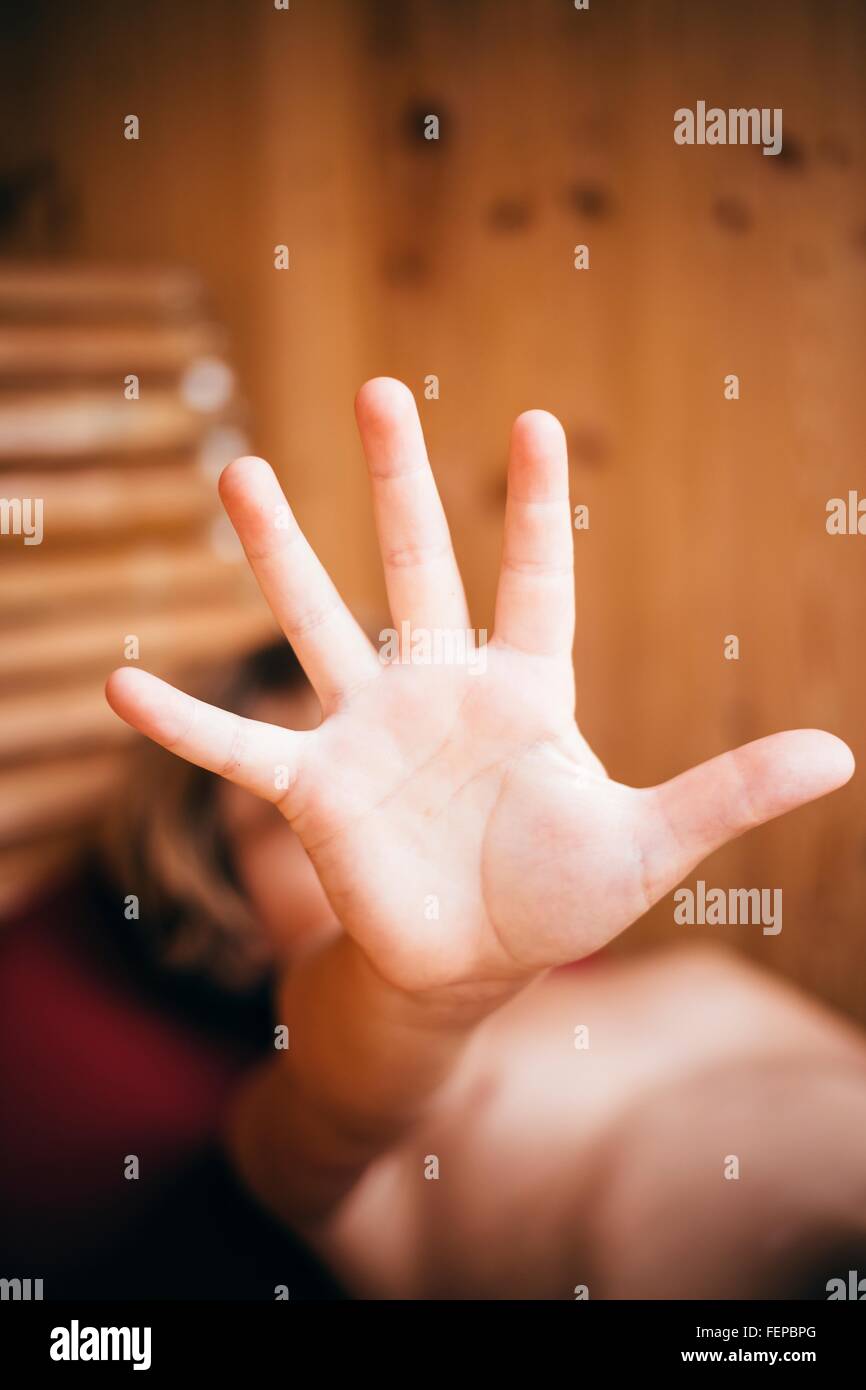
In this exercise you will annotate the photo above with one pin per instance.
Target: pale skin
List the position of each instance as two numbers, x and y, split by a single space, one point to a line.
476 788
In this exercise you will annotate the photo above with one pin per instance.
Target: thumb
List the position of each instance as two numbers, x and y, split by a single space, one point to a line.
704 808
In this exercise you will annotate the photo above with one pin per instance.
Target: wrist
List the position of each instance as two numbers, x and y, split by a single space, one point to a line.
364 1060
366 1054
447 1009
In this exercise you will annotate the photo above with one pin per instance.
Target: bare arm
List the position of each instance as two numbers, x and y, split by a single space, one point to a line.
364 1059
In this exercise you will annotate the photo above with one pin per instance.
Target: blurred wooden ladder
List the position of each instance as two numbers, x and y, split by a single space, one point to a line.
118 409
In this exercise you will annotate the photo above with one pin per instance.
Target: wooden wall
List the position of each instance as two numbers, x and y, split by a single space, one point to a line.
455 258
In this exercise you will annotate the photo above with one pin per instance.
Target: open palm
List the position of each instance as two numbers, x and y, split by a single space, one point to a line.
461 826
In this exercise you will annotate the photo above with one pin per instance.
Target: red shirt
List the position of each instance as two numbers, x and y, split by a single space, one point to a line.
105 1056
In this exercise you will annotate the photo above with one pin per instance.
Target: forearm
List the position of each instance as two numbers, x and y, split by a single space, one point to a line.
363 1062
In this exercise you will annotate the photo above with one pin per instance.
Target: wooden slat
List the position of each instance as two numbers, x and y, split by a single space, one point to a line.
42 799
58 719
43 652
131 575
29 289
28 350
101 502
72 425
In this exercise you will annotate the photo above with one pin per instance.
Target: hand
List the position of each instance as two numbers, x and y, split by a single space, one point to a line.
463 830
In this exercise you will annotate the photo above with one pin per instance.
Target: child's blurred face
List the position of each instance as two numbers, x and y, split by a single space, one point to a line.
275 874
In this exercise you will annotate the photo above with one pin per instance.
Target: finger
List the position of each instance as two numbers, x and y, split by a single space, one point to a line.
702 809
330 645
421 574
535 598
264 758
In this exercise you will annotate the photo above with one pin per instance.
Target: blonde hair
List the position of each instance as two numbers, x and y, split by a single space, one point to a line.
163 842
